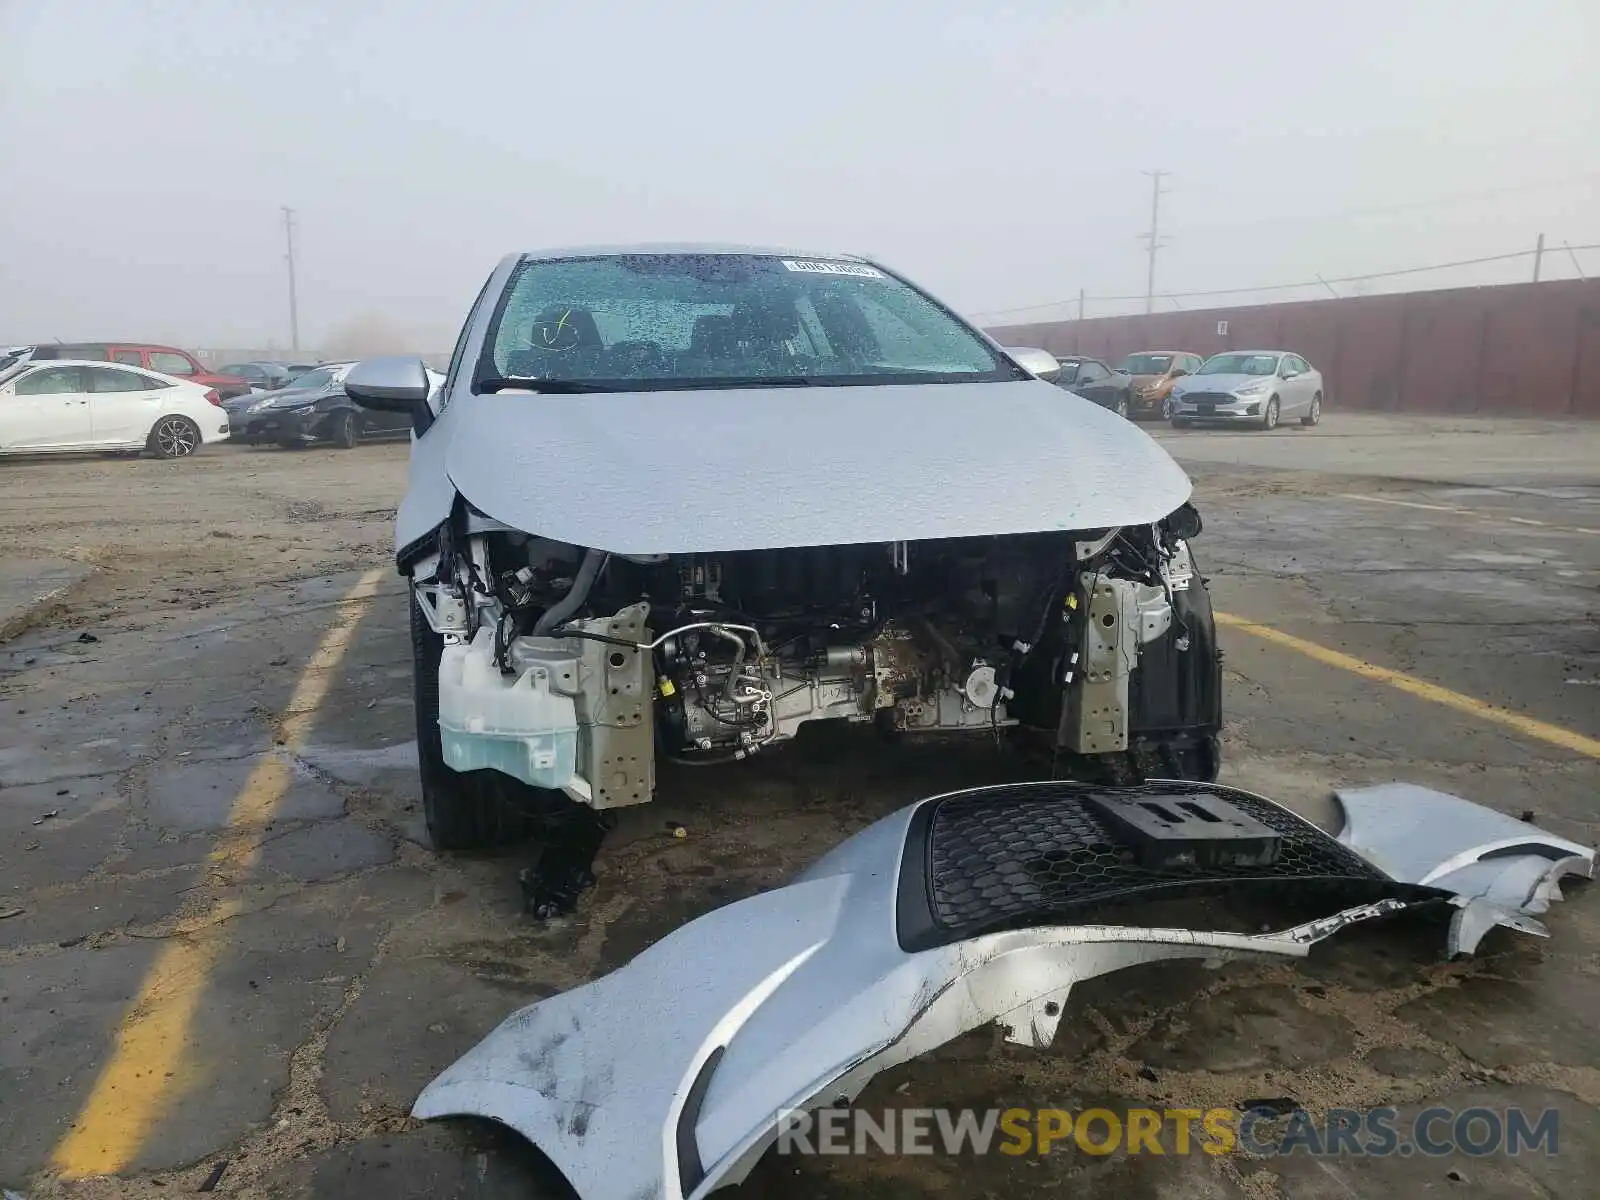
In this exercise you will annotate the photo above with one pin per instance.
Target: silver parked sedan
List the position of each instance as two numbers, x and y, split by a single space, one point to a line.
1251 387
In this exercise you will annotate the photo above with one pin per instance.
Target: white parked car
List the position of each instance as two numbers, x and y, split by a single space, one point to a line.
54 406
1249 387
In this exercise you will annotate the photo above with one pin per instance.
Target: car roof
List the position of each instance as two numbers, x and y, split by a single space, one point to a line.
128 343
102 363
1194 353
682 248
88 362
1219 353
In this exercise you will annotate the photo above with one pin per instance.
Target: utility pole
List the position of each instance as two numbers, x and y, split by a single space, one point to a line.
1329 286
1538 257
1153 237
294 310
1080 304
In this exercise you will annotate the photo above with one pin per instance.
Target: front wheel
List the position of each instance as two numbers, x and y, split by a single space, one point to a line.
174 437
1269 419
1314 415
346 430
471 810
1166 408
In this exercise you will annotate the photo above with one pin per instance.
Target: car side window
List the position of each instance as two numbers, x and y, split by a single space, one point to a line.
131 357
169 363
52 381
109 379
1091 373
461 342
1300 365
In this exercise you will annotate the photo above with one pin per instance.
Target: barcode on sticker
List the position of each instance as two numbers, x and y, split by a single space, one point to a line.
832 268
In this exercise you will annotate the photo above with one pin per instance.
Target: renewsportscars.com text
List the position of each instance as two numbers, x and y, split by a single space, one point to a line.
1177 1131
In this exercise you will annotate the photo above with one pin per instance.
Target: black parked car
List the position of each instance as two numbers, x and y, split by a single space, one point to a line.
1093 380
313 408
268 376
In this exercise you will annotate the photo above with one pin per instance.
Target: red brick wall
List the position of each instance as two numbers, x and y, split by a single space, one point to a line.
1529 349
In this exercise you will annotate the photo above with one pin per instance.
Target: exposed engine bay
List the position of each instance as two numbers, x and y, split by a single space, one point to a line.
573 669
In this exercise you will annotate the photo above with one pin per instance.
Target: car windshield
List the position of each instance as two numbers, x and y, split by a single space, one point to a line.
1146 364
313 379
1069 371
663 321
1239 364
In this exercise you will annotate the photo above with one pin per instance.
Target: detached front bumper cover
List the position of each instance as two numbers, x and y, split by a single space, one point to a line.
668 1078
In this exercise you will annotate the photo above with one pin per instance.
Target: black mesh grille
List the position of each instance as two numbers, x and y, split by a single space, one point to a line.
1029 854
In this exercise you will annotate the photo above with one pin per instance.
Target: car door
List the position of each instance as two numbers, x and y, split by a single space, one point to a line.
1093 382
1294 393
1310 383
124 404
46 408
169 362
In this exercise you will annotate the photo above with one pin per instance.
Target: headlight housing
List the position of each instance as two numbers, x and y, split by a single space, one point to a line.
1251 389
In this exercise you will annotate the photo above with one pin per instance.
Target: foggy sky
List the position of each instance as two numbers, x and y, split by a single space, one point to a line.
994 154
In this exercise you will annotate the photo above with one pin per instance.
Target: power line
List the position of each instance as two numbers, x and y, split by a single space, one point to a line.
1318 281
1405 206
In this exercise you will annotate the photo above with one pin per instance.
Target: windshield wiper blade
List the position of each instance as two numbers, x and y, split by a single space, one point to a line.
714 383
554 387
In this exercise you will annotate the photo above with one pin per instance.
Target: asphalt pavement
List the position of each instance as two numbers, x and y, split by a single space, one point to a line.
225 949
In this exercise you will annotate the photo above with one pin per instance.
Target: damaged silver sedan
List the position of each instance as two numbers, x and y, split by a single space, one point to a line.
668 1078
679 503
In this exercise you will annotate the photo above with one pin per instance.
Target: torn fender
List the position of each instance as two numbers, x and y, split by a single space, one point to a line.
1497 869
668 1078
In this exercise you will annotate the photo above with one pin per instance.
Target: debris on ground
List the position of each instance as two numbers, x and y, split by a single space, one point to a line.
210 1184
87 637
1275 1106
677 830
7 913
42 818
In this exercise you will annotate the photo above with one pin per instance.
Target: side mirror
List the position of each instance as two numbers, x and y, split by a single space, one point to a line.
1179 373
397 384
1039 363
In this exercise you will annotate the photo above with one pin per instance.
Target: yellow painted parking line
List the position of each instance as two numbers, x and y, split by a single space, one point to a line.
150 1065
1528 726
1460 511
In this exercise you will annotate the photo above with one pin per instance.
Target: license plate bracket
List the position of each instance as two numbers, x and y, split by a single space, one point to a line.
1198 830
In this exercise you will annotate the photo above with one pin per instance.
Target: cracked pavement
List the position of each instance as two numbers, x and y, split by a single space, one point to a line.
345 963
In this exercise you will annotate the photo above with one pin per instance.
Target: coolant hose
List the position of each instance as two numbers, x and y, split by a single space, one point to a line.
563 608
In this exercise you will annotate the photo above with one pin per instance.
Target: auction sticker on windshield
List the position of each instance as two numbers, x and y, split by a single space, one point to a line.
832 268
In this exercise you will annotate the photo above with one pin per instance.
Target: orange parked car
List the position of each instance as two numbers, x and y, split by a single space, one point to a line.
1153 374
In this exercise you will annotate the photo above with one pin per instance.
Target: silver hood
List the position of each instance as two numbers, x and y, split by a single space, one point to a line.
704 471
1218 383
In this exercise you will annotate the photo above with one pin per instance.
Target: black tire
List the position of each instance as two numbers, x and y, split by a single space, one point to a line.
1166 408
471 810
344 431
173 436
1269 418
1314 415
1123 405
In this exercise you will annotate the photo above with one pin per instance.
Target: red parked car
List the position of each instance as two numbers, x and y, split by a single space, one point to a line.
168 360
